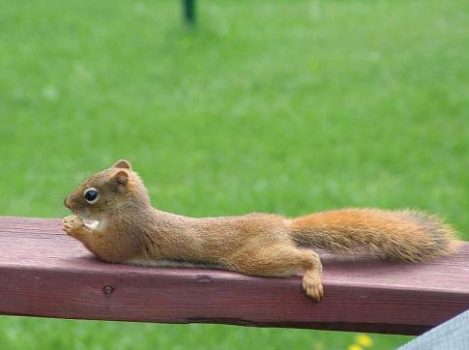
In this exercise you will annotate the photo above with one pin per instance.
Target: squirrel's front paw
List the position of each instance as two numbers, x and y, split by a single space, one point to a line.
72 223
313 287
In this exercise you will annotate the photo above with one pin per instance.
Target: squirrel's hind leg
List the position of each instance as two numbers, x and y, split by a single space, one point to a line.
279 261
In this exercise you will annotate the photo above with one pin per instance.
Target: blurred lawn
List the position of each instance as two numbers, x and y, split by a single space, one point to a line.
283 106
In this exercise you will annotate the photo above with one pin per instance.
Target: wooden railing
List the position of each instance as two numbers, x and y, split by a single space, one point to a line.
43 272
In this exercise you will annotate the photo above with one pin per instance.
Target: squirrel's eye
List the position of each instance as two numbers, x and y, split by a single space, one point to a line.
91 195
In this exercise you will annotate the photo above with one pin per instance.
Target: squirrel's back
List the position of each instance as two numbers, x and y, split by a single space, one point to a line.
403 235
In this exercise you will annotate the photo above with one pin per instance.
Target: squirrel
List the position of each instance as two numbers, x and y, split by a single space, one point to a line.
114 219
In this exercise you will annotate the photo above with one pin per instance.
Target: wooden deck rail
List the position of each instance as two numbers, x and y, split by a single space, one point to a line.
43 272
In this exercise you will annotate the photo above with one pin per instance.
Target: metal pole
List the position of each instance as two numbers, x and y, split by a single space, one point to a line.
188 9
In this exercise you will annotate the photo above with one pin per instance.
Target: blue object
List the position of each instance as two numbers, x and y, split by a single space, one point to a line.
451 335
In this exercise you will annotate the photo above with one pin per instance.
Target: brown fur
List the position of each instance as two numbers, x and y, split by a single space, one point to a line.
131 231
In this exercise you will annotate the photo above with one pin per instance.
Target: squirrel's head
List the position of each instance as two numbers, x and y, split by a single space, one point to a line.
109 190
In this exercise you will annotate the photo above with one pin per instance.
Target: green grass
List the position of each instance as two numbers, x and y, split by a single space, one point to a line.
282 106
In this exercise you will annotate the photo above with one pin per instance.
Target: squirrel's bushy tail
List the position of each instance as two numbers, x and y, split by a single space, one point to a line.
404 235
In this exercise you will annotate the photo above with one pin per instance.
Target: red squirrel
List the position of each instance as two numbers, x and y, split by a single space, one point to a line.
114 219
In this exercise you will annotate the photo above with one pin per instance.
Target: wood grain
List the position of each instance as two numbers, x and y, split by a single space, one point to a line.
43 272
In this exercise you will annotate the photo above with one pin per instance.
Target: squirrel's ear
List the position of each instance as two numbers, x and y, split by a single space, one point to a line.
123 164
121 177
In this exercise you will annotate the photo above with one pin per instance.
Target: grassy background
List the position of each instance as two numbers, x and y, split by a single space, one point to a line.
283 106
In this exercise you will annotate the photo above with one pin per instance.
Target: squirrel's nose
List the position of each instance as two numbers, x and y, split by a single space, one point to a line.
66 203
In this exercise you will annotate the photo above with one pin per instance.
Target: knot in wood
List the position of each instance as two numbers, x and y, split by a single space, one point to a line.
107 290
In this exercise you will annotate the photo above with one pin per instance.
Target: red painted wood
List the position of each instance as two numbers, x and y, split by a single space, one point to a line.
43 272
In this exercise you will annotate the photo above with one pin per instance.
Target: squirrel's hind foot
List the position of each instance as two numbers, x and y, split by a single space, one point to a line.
312 285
